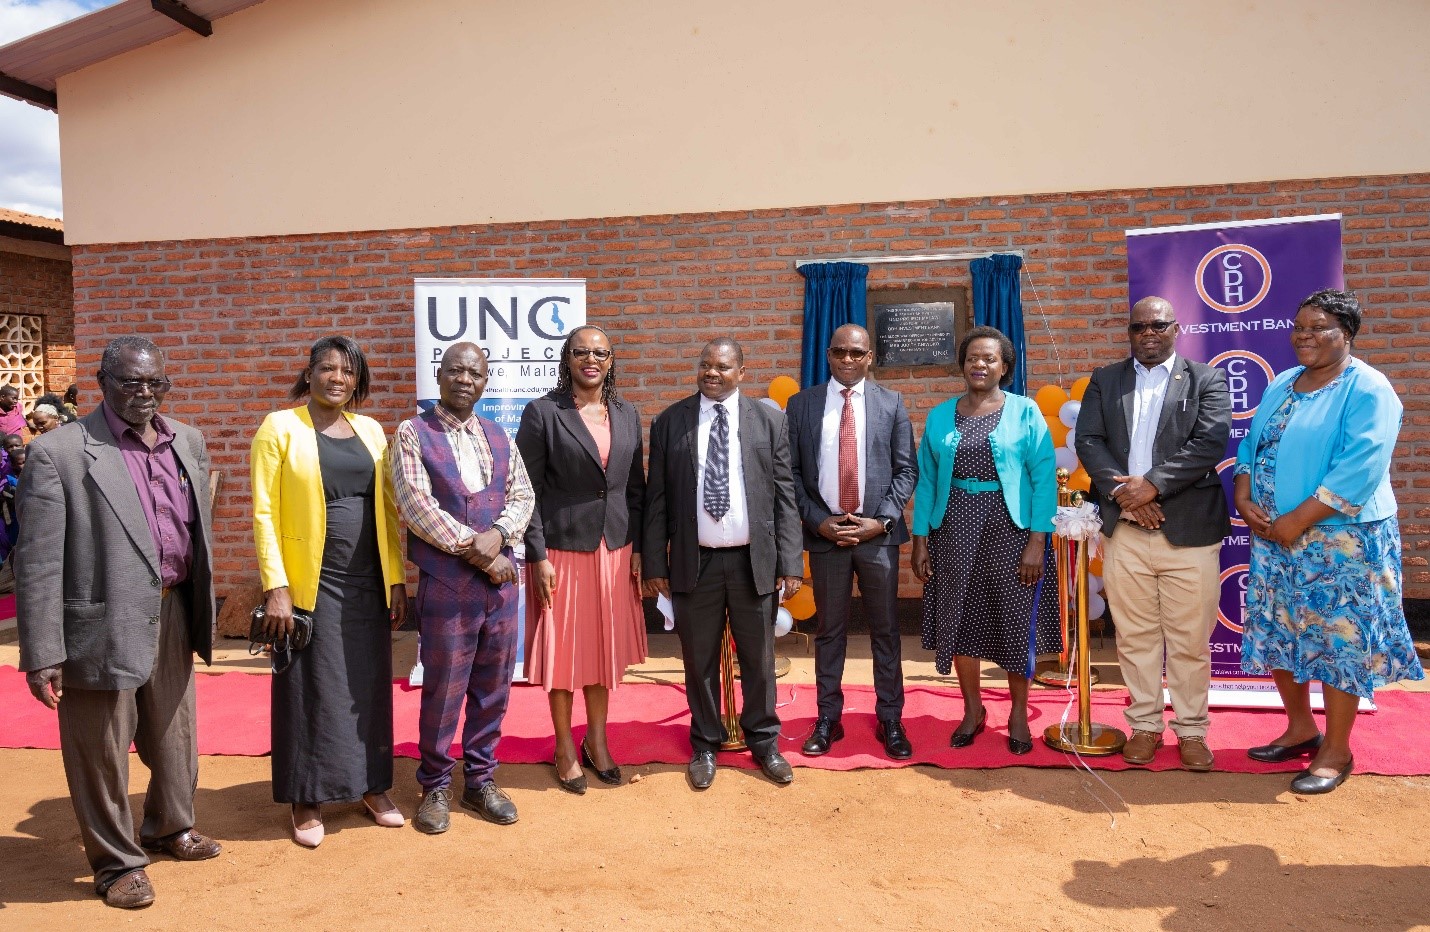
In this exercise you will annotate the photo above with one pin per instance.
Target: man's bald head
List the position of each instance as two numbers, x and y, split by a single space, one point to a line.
1152 331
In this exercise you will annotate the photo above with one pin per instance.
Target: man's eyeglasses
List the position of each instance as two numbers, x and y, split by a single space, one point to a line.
854 355
134 386
1156 326
600 355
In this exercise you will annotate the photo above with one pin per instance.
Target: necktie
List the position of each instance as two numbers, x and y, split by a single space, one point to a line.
848 457
717 466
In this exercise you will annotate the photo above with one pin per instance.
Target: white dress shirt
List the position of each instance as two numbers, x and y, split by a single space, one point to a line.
829 442
1146 412
733 530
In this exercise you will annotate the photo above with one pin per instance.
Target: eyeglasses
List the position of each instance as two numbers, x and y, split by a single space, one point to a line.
854 355
134 386
600 355
1314 331
1156 326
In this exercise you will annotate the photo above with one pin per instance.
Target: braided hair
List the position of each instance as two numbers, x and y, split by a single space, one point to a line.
609 396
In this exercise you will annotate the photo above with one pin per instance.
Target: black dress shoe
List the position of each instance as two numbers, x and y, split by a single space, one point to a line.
826 732
964 739
777 768
701 769
610 777
1018 746
576 784
896 744
489 802
1307 784
1278 753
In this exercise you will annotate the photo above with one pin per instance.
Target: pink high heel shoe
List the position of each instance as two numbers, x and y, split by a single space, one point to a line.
307 837
387 818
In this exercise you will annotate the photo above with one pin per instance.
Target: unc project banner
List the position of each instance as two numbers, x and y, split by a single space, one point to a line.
520 324
1235 288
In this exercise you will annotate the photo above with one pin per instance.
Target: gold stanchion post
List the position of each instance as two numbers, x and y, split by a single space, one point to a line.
730 715
1058 673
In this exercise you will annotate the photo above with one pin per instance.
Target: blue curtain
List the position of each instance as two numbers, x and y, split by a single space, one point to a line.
998 302
833 297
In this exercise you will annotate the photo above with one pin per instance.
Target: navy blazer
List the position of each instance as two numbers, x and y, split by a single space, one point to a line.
578 502
890 465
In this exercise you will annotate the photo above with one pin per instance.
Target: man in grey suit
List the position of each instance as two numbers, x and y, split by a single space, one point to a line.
114 595
1150 434
721 541
852 456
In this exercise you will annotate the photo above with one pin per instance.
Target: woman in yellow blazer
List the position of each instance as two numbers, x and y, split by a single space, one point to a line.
325 525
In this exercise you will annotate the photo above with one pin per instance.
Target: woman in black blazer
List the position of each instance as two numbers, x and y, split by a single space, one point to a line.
583 451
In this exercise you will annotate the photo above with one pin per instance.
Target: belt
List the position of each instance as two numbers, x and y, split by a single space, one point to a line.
704 549
974 486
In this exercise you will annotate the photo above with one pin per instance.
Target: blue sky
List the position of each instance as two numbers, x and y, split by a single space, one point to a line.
30 136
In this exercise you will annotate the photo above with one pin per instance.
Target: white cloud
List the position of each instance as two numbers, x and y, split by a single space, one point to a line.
30 136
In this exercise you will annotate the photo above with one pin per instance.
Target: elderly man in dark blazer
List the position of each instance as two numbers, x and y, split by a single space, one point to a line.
853 459
1150 434
722 541
114 596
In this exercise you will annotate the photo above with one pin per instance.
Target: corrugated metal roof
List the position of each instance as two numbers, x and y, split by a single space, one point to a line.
130 24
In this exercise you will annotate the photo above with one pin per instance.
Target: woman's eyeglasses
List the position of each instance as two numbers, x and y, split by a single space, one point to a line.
1156 326
600 355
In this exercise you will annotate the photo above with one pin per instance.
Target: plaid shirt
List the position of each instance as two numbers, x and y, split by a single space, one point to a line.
474 461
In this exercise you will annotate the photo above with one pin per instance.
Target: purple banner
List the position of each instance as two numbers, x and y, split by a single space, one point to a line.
1236 288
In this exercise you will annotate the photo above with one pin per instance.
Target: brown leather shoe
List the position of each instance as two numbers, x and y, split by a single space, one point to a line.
1141 747
1195 754
132 891
186 846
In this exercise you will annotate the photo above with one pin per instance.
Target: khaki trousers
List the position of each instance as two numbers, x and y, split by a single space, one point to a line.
1164 599
96 728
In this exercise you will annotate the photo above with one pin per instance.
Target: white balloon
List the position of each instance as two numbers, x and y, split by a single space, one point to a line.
1066 459
1096 605
1070 441
1094 583
772 403
784 622
1068 412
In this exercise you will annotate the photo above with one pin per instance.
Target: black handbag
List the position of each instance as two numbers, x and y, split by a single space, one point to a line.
281 647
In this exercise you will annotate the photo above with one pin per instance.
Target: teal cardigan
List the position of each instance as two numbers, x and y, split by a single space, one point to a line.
1022 454
1337 446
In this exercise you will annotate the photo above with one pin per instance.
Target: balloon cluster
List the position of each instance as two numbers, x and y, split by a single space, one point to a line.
799 606
1060 409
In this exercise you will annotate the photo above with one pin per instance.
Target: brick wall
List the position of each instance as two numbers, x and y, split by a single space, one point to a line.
35 285
236 315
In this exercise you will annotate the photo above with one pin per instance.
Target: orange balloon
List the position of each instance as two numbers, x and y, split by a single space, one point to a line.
782 389
801 604
1058 429
1050 399
1080 480
1094 566
1080 387
807 573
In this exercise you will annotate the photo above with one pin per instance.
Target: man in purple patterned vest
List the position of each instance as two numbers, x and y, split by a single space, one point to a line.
465 498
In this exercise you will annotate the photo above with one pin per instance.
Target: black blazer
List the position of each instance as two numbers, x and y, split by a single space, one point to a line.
890 463
1190 442
577 501
671 543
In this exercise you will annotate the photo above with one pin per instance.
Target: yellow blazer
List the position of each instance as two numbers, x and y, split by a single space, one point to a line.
290 516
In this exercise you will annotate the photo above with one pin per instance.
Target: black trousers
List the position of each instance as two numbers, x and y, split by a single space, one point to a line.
726 589
833 573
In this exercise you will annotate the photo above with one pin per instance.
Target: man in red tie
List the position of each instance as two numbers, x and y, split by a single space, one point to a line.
853 460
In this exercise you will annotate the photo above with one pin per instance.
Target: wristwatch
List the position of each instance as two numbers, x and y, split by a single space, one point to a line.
888 525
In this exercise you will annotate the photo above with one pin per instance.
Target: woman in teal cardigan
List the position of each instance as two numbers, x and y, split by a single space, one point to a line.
983 509
1323 592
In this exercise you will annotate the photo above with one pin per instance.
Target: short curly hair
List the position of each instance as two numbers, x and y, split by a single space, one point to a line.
1342 305
1005 349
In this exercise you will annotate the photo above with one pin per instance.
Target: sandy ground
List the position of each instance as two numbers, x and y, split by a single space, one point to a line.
917 848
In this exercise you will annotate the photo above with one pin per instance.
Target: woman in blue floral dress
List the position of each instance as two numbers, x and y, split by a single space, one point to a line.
1323 594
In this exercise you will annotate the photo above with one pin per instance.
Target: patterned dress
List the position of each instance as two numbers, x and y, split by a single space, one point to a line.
1328 607
974 606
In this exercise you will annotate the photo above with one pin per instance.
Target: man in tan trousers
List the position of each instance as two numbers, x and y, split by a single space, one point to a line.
1150 434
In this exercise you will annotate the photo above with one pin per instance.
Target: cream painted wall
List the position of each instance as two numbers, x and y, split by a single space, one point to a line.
303 116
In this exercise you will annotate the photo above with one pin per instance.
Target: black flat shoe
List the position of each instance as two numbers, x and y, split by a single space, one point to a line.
1016 746
610 777
1308 785
1278 753
964 739
575 785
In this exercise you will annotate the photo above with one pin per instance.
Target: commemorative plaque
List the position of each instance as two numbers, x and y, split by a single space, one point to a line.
914 334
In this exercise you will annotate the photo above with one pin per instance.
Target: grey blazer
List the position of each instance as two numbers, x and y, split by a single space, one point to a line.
671 543
86 572
1191 440
890 465
578 501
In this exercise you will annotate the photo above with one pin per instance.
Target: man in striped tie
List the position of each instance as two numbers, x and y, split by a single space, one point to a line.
722 542
853 458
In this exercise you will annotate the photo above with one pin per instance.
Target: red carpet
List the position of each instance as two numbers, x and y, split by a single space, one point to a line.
7 606
649 723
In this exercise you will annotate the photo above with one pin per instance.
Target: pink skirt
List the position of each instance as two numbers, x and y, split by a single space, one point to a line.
595 627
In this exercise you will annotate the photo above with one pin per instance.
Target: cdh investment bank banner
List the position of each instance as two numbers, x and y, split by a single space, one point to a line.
1236 288
520 324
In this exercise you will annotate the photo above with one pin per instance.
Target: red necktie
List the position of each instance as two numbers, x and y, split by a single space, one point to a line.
848 456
